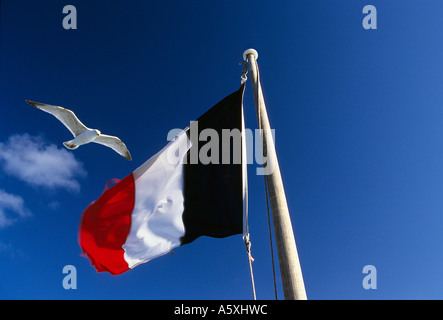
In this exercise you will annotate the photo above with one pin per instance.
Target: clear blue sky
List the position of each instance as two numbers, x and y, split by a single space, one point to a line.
359 132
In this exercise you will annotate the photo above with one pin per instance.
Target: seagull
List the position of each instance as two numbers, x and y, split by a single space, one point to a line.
82 133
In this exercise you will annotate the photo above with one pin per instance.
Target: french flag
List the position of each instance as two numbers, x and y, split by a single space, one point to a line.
171 200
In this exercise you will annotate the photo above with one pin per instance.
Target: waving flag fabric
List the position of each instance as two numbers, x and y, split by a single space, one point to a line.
174 197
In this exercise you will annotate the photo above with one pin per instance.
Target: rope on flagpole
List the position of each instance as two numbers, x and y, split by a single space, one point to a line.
244 78
270 240
244 73
246 239
267 196
250 260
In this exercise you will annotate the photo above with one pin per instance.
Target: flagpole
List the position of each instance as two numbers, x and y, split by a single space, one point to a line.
290 269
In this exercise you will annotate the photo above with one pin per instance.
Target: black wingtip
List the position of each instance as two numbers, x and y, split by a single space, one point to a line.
127 155
33 103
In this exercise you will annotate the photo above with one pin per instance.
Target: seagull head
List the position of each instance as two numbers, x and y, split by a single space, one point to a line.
98 132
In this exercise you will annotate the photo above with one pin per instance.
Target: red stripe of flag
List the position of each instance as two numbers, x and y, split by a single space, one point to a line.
105 226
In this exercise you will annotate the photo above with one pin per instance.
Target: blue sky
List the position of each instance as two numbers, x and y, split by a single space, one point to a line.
358 120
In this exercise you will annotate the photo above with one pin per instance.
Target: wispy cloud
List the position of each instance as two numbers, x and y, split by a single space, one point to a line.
9 250
39 163
12 207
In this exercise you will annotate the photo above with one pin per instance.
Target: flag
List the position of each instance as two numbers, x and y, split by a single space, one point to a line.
187 190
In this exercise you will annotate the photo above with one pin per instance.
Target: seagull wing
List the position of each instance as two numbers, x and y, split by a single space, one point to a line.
66 116
114 143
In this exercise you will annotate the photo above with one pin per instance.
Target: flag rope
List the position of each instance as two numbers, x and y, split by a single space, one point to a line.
244 73
250 260
246 239
270 240
266 190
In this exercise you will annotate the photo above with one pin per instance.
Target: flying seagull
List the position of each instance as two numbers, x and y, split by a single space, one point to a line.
82 133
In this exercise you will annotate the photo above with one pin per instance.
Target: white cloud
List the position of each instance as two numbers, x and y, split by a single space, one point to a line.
8 250
12 207
38 163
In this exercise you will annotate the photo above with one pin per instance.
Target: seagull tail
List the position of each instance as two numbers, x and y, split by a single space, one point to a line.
70 145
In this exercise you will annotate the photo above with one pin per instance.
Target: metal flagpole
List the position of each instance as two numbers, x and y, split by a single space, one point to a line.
291 274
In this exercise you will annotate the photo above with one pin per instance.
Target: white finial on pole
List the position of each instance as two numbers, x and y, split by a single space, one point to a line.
290 269
248 52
